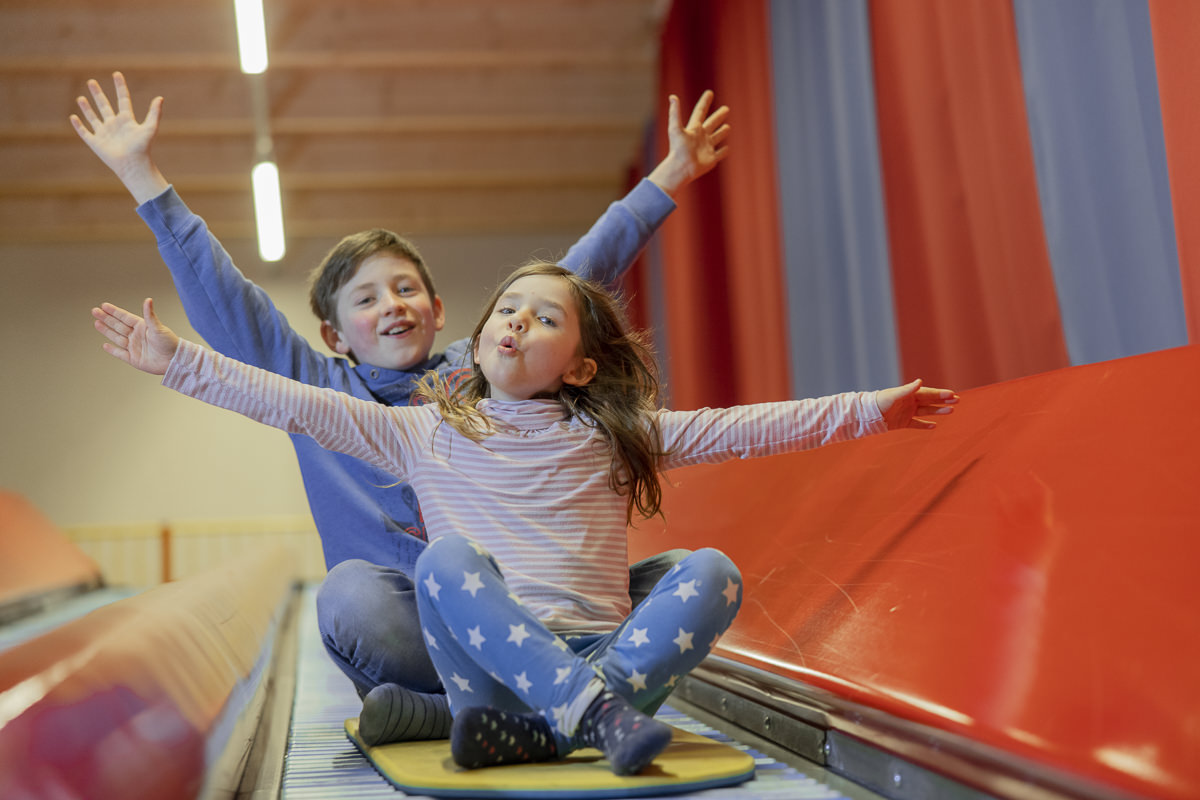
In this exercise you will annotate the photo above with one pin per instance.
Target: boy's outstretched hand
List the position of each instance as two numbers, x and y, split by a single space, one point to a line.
120 141
695 148
902 406
144 343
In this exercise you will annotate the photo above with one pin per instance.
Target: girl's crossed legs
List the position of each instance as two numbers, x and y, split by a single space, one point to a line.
496 657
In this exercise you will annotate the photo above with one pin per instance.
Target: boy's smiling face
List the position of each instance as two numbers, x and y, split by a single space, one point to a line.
385 315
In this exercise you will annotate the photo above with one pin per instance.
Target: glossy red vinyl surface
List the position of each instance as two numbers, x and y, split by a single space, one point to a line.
1025 575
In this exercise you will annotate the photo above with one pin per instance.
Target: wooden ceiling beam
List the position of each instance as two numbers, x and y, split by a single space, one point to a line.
414 180
425 125
391 61
333 229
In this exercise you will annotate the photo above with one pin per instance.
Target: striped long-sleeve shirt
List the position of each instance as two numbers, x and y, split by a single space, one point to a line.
535 493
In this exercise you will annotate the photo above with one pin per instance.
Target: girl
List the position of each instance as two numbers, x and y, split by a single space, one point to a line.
528 476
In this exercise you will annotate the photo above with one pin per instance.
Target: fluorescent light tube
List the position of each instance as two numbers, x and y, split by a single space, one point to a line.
252 36
268 211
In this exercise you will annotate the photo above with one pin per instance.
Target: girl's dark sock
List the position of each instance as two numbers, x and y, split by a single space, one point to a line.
391 713
627 737
486 737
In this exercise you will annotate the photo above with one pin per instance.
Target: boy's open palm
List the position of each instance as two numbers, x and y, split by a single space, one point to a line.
699 142
120 141
694 148
144 343
903 406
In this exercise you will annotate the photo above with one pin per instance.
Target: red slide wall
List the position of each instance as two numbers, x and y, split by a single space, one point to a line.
1024 576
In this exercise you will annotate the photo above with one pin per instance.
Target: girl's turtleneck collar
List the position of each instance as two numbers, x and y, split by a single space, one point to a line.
523 415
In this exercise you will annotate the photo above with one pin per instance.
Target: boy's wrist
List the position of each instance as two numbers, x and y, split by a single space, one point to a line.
142 178
670 175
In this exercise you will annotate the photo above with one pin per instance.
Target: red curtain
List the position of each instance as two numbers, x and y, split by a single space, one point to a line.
724 292
1176 29
975 297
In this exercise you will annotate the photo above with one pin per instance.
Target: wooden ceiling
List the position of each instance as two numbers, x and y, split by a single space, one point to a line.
423 116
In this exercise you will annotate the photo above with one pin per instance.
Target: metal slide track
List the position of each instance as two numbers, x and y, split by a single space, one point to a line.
322 764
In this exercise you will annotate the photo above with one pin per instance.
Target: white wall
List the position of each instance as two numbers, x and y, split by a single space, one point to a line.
91 441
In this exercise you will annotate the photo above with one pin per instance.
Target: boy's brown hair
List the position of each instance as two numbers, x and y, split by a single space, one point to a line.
342 262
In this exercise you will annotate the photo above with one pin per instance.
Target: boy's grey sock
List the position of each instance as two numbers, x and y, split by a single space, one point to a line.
391 713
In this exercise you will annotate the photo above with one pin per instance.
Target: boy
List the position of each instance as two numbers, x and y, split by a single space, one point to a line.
379 312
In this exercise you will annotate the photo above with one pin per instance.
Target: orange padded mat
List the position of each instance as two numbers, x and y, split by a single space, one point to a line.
35 556
125 702
1025 576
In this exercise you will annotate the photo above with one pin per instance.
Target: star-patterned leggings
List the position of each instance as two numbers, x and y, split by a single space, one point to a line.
490 650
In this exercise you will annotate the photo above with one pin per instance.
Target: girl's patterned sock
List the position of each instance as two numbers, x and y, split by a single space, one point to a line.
627 737
486 737
391 713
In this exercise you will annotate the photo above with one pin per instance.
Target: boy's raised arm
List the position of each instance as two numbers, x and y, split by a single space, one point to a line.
614 242
119 140
231 313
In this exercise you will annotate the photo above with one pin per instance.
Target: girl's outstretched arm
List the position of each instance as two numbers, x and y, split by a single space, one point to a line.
142 342
902 406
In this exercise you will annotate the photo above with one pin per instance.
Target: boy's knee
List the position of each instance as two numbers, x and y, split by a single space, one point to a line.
343 581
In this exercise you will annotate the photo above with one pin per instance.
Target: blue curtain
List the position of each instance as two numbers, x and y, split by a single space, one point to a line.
1092 99
839 292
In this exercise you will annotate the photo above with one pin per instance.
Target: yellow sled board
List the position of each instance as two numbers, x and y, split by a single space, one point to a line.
690 763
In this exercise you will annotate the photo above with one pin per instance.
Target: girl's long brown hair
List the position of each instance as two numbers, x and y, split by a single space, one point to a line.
620 400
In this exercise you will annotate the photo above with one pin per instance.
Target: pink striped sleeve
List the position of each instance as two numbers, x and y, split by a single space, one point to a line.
711 435
380 435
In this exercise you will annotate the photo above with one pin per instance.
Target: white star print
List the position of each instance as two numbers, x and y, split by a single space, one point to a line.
429 640
432 586
463 684
523 682
476 637
637 680
731 592
684 640
561 644
561 674
517 633
471 582
672 681
686 589
639 637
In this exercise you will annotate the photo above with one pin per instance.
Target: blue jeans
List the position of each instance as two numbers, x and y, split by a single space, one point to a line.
492 651
367 615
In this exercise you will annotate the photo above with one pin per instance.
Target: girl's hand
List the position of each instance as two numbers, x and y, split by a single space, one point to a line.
144 343
902 406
